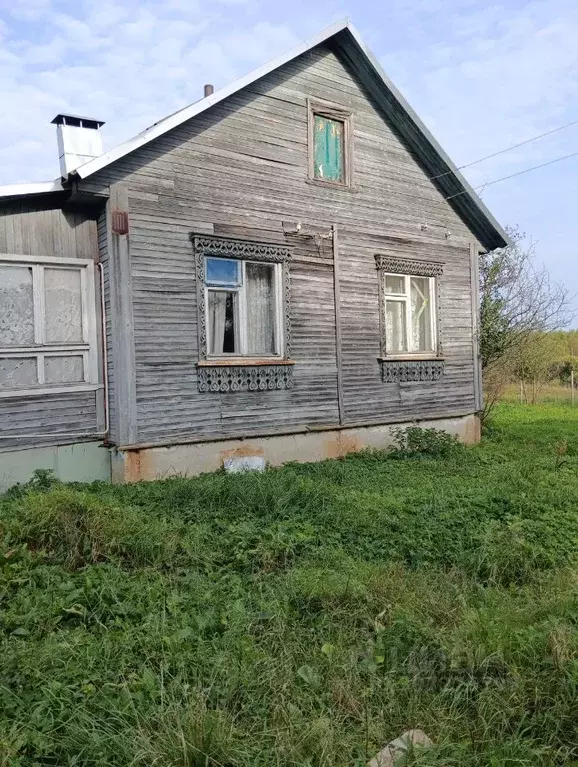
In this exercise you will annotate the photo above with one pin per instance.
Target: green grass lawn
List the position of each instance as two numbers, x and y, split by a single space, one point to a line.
304 616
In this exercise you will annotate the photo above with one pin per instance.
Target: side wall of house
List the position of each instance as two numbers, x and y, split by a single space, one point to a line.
240 170
42 228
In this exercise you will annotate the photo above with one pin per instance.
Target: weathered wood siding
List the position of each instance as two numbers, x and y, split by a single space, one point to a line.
42 228
240 169
104 258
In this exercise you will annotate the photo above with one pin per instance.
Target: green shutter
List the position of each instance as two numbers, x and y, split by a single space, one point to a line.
328 141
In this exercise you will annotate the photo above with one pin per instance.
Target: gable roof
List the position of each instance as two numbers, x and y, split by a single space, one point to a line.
346 41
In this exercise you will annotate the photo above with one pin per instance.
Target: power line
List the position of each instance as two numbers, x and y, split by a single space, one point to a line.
513 175
507 149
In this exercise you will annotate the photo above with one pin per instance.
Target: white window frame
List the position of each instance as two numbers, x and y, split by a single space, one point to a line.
40 349
240 290
405 298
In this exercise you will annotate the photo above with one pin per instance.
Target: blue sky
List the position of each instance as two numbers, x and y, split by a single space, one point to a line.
482 75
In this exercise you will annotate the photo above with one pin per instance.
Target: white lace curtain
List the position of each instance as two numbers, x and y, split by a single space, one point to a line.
217 315
258 296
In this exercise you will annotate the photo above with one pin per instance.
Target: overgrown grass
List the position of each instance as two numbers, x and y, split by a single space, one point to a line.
305 616
552 393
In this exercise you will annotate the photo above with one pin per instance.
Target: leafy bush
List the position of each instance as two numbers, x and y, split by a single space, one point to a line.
415 441
41 480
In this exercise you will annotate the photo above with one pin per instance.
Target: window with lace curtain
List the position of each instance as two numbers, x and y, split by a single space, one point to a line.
243 308
410 317
47 325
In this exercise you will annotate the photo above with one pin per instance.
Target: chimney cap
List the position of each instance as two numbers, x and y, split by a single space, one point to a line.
80 122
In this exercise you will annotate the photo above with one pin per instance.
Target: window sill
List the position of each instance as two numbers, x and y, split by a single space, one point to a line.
243 361
42 391
331 184
411 357
244 375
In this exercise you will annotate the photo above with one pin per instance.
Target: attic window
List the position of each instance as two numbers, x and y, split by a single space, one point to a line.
330 150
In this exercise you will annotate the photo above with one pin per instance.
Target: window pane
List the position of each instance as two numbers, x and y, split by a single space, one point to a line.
18 372
16 306
223 322
328 141
223 271
396 340
63 369
395 284
421 330
261 310
63 306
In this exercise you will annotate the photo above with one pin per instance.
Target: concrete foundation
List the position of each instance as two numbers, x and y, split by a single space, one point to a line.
80 462
148 463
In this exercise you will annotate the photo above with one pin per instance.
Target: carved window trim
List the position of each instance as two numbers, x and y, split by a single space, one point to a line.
404 371
232 378
409 366
242 373
396 265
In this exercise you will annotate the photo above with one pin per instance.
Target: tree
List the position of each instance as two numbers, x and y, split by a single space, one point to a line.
517 299
537 361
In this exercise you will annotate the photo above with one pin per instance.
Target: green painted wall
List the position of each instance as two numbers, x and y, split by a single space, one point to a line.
81 462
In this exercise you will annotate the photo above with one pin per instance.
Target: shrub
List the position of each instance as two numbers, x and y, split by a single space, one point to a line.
414 441
41 480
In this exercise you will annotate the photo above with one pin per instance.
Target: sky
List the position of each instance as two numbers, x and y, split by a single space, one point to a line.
482 75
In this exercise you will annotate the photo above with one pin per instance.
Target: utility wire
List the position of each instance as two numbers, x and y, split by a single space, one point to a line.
507 149
513 175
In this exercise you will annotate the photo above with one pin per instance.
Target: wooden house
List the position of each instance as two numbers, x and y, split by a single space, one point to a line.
286 269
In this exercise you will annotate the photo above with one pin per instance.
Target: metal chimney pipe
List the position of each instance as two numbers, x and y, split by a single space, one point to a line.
79 140
208 90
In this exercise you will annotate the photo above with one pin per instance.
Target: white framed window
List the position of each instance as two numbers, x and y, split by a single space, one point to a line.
48 338
244 306
410 315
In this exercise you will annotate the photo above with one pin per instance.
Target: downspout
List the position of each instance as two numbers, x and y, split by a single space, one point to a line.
104 351
475 290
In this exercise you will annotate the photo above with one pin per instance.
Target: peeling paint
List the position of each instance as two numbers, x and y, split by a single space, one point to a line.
132 466
244 451
342 444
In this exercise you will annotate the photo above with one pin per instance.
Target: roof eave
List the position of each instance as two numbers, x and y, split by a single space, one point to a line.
13 191
450 182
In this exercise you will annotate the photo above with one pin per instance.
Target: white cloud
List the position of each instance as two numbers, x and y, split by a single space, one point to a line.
127 63
490 76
